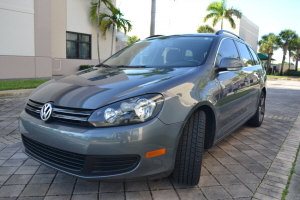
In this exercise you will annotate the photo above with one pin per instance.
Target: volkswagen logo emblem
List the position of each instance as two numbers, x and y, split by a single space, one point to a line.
46 111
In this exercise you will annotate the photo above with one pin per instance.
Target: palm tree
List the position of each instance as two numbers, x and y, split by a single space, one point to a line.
219 11
205 29
131 40
296 47
268 44
286 36
115 19
153 13
94 15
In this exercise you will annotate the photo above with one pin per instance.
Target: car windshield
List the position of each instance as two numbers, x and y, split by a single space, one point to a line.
166 51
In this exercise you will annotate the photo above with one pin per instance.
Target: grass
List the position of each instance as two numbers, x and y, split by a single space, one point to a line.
21 84
292 171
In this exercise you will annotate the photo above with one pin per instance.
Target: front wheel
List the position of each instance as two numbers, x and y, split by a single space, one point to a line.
190 149
258 117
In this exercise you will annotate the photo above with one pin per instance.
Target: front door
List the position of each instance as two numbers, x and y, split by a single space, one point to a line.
233 103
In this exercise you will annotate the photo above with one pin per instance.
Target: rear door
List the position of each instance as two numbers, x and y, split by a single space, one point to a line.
251 77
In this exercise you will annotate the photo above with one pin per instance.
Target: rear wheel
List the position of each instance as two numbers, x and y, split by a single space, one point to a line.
190 149
258 117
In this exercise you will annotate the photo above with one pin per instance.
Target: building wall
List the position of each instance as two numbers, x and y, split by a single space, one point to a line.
74 17
58 28
249 31
33 37
17 27
28 31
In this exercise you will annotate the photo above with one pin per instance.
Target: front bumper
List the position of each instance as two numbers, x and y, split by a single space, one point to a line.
98 153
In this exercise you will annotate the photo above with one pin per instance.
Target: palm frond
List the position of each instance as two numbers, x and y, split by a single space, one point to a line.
104 26
210 15
93 12
231 21
234 11
219 11
107 3
214 6
115 19
215 21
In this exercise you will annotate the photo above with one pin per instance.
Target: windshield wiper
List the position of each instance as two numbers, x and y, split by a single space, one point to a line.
136 66
103 65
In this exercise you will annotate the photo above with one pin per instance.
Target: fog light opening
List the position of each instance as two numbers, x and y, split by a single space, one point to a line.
156 153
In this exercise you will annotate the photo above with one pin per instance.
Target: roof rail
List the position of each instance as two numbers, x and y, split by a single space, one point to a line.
224 31
153 36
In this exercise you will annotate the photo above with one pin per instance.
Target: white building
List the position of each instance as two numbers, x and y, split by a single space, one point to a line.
181 17
244 28
41 38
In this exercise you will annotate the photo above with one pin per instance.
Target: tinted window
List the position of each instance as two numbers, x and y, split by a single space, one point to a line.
227 49
256 61
164 52
78 46
245 54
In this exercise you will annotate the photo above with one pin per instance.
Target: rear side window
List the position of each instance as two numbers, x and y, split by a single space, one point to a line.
245 54
255 59
227 49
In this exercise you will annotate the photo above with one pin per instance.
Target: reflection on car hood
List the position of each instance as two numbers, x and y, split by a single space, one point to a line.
97 87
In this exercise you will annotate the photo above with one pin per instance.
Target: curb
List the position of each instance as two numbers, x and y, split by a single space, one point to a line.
14 93
277 175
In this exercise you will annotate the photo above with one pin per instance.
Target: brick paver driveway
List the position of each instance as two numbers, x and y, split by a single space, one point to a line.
233 169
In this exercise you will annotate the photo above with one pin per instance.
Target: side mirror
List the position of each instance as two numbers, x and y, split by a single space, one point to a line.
230 64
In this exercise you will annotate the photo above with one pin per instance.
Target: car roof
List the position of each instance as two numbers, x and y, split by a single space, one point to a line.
220 33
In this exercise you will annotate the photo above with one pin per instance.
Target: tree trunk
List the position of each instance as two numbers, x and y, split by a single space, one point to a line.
222 24
112 39
297 59
98 47
283 59
153 11
98 31
289 59
269 60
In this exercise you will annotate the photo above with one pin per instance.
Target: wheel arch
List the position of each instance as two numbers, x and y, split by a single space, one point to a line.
210 125
264 90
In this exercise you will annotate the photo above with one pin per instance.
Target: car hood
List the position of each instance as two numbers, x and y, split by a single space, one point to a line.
97 87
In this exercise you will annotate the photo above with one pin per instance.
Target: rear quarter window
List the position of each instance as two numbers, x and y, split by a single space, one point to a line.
245 54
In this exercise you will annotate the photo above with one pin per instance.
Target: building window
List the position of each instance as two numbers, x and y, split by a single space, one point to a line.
78 46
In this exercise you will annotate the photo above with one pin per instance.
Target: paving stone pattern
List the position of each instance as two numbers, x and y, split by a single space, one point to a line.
239 167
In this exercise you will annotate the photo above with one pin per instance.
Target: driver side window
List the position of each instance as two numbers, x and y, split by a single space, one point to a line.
227 49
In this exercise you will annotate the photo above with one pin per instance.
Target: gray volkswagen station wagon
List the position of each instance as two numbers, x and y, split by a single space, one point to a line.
148 111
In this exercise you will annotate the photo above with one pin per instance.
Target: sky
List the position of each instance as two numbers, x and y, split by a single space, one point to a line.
185 16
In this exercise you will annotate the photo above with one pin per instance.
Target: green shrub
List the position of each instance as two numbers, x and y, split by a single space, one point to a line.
289 72
83 67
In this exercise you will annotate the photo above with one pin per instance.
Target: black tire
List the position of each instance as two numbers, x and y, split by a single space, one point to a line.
258 117
190 149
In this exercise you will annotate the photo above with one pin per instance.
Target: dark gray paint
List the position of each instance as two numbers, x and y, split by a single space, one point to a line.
184 90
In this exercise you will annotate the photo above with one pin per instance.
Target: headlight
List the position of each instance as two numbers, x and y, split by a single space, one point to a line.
129 111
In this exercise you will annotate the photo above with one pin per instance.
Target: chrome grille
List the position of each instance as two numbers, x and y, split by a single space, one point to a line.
74 115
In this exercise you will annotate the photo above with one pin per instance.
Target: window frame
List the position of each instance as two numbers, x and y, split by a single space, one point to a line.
77 45
254 54
225 38
247 46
